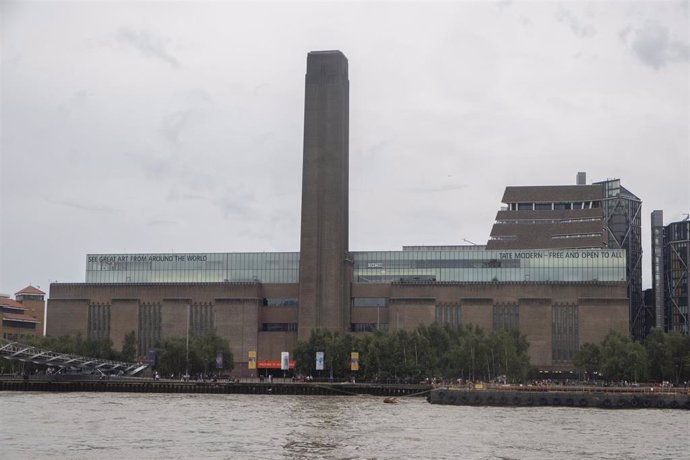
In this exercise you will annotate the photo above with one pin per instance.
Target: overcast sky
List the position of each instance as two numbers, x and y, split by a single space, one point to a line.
159 127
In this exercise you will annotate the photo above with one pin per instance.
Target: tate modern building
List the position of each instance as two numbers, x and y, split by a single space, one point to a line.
559 296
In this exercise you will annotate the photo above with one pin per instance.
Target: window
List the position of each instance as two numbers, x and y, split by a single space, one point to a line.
279 327
368 327
281 302
22 297
149 326
542 206
369 302
449 313
564 332
99 321
525 207
506 316
201 319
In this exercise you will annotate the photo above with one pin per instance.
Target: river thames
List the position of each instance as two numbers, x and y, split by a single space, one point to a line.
122 425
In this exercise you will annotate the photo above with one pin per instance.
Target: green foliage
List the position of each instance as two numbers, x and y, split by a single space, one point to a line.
587 360
664 357
336 348
75 345
172 354
659 355
428 351
206 348
622 359
669 356
129 347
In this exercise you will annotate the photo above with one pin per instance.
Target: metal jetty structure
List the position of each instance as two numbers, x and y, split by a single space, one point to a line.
16 351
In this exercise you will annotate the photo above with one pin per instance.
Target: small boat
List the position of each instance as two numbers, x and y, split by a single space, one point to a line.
390 400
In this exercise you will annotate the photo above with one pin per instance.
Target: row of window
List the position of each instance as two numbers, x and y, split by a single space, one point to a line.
8 323
454 266
552 274
369 302
279 327
554 206
548 221
280 302
368 327
437 264
22 297
575 235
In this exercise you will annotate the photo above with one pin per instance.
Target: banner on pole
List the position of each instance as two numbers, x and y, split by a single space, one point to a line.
219 360
151 357
354 361
284 360
319 360
251 360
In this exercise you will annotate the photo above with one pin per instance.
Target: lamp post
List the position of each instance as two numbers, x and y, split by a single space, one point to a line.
186 370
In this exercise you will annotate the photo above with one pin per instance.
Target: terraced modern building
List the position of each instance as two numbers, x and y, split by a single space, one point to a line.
559 297
600 215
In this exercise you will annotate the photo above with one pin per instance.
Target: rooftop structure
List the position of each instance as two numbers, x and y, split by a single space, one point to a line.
601 215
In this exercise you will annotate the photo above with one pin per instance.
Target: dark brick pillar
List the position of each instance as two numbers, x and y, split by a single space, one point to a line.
324 293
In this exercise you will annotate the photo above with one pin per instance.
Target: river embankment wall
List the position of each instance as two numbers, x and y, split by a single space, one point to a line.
219 387
605 398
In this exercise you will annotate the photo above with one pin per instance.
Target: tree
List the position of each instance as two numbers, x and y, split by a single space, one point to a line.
129 347
171 356
679 356
206 348
660 365
622 359
588 359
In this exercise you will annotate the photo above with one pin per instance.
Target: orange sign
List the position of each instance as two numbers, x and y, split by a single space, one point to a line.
273 364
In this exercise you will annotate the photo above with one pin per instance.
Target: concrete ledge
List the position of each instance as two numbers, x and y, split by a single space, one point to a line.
221 387
597 398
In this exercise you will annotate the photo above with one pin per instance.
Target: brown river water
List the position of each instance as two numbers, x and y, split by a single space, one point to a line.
121 425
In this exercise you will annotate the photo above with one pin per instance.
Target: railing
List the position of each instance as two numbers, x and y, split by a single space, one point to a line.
26 353
638 389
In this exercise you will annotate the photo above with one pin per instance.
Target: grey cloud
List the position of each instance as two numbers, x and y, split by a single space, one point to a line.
503 4
156 167
162 222
578 27
174 124
79 98
197 96
85 207
525 21
230 207
147 45
440 188
653 45
175 195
